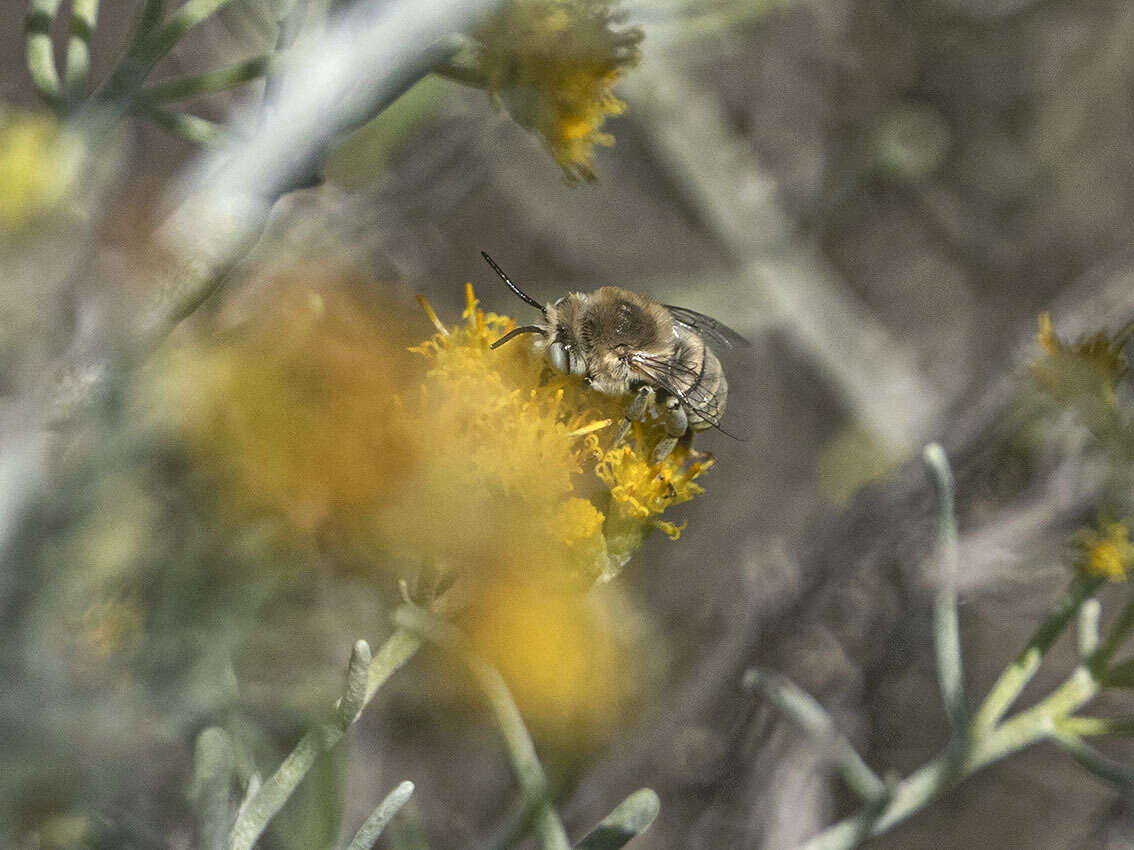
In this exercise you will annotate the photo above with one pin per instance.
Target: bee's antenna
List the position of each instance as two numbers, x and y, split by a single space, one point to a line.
511 285
525 329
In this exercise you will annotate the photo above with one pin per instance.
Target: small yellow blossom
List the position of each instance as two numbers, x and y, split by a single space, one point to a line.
38 167
1105 552
1088 370
554 64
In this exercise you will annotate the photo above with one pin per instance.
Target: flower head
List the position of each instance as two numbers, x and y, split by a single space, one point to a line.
563 502
1105 551
1087 369
554 64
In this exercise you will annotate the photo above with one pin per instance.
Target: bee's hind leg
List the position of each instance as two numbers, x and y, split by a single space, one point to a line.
634 412
676 427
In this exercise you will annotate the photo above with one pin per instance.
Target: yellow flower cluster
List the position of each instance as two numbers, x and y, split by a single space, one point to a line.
447 455
532 437
1105 552
462 457
554 64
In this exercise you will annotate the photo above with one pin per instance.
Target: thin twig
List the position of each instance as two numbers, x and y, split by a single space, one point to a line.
1112 771
1088 635
804 710
1118 633
926 784
946 628
258 812
151 16
629 819
373 826
211 787
1013 680
208 82
192 128
521 750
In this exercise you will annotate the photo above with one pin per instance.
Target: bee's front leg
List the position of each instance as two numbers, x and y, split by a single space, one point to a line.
634 412
676 423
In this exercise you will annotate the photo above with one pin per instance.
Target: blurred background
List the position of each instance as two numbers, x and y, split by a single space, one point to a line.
881 196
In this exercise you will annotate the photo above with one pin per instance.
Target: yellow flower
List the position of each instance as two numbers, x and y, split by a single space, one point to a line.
39 164
1105 552
558 653
554 64
503 424
293 413
1086 371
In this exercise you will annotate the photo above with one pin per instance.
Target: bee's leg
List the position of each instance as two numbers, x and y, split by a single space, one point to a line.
634 412
676 426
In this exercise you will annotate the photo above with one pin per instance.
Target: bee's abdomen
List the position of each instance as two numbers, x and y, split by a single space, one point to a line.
707 396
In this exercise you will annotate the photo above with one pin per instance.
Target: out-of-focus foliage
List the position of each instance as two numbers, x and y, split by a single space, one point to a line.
39 163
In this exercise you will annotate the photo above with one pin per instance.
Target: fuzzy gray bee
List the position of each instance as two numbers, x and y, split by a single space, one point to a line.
622 344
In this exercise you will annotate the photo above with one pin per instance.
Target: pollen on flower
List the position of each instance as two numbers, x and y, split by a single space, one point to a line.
554 64
1105 552
535 440
644 489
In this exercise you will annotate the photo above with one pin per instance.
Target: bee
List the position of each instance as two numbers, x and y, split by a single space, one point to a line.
622 344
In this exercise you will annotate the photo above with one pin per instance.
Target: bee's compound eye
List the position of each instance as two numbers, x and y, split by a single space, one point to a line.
557 357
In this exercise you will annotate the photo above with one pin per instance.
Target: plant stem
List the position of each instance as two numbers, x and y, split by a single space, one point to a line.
1036 724
208 82
1013 680
259 811
84 19
629 819
289 27
1089 614
150 45
374 825
41 52
946 628
802 708
1094 761
192 128
211 787
1114 638
521 750
150 18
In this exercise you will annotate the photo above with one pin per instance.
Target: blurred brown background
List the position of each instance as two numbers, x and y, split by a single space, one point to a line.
882 196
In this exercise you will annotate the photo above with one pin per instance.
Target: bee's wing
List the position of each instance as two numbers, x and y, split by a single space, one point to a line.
706 326
674 378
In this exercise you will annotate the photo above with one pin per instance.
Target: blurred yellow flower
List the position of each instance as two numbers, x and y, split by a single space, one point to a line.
294 411
38 167
558 653
1105 552
554 64
1089 369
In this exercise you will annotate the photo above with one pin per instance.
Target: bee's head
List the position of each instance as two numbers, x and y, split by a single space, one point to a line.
564 354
